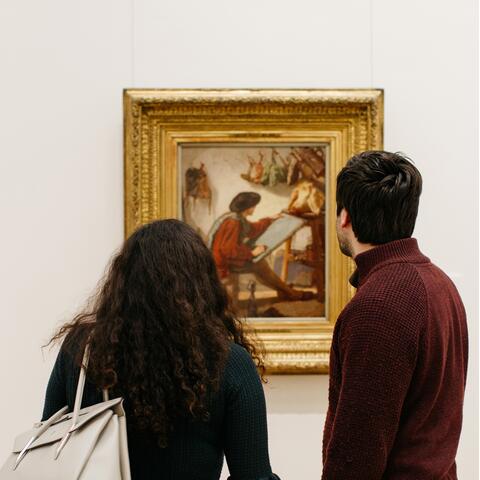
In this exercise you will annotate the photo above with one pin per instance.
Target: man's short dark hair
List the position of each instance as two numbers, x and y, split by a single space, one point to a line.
380 191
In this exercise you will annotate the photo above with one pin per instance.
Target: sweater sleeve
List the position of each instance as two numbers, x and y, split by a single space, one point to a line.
56 395
377 348
245 431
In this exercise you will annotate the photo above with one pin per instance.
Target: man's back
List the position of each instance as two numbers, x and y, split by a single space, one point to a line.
398 369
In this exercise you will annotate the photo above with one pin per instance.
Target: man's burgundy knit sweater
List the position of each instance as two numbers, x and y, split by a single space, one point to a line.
397 371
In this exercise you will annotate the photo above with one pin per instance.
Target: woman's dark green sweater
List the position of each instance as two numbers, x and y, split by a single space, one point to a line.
237 427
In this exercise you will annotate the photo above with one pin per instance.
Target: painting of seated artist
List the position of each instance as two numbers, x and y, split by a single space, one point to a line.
261 210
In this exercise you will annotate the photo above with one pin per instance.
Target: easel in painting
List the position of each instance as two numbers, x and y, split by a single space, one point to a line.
317 225
316 261
276 234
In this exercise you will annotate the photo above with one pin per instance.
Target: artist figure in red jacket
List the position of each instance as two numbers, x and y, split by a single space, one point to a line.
232 241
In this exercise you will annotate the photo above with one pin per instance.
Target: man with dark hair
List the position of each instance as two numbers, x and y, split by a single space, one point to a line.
398 360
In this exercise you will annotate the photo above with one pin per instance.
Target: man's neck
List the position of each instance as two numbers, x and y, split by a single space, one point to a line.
359 248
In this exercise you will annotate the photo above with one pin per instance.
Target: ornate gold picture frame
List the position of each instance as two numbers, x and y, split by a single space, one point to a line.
170 133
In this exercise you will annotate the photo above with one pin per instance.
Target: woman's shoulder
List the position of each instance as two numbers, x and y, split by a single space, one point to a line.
71 351
239 356
240 368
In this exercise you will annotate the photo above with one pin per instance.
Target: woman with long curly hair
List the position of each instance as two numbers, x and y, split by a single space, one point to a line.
161 335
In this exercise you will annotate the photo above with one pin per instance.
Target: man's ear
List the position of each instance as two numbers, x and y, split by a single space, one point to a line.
345 220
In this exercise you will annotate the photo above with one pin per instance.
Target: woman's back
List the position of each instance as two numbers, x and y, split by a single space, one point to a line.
161 335
195 449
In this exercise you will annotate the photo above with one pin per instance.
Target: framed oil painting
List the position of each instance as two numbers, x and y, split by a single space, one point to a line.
253 172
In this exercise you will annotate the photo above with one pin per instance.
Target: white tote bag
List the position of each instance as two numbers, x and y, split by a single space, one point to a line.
87 444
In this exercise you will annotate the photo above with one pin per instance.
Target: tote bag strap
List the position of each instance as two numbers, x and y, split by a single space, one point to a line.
81 386
78 398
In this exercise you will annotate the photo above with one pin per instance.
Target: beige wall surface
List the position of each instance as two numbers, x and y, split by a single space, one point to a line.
64 65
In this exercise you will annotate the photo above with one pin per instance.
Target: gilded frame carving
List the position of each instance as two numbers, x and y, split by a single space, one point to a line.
157 121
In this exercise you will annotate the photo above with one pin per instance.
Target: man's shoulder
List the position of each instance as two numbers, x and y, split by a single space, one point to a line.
394 279
411 282
228 218
393 294
231 222
221 225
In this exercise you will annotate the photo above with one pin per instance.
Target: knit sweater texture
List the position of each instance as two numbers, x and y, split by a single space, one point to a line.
237 427
398 366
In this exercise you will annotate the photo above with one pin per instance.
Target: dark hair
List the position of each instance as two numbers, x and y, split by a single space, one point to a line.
159 328
380 191
243 201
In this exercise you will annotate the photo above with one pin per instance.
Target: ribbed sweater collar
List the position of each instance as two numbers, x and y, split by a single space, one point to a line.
405 250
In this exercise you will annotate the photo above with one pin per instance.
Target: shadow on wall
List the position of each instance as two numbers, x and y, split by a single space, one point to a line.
302 394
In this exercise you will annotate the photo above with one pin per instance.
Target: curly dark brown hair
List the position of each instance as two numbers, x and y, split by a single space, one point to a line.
159 327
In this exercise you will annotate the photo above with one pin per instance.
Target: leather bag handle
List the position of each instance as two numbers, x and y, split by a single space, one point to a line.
78 399
81 386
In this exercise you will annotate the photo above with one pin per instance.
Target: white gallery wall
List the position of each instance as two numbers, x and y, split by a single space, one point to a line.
63 67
